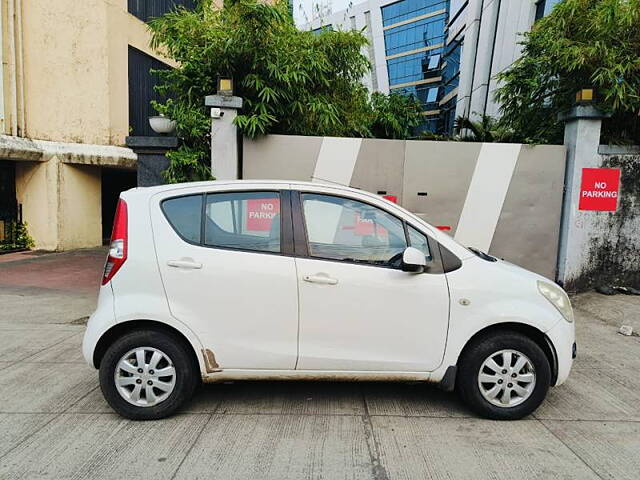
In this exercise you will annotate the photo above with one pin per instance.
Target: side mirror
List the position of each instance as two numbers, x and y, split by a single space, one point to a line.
413 260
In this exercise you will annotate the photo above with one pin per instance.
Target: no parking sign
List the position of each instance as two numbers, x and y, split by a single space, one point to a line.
261 212
599 189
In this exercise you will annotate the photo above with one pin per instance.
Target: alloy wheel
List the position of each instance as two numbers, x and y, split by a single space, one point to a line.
506 378
145 376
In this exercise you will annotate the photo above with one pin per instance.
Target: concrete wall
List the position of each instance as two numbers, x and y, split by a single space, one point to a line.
65 80
501 198
59 185
74 69
603 248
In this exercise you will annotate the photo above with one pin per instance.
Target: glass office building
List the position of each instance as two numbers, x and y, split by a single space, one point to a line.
414 38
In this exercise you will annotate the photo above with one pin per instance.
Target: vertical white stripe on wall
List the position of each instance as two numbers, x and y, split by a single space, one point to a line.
486 194
337 160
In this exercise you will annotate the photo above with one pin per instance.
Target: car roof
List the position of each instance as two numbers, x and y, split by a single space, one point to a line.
218 183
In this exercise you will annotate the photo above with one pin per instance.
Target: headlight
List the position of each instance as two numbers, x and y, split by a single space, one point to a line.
558 298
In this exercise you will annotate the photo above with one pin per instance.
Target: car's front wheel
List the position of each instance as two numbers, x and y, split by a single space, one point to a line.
503 376
147 375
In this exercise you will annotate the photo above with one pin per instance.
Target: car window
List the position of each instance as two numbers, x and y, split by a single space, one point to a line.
419 240
243 220
345 229
185 215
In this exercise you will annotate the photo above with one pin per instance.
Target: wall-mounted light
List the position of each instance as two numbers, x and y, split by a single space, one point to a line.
584 96
225 86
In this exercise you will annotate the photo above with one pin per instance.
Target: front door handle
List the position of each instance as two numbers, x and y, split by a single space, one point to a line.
187 264
320 278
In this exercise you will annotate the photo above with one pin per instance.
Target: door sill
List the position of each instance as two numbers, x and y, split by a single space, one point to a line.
325 375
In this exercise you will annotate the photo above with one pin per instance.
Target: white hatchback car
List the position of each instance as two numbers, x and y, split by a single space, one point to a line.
218 281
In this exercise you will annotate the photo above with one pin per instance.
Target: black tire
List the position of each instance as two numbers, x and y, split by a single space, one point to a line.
186 373
473 358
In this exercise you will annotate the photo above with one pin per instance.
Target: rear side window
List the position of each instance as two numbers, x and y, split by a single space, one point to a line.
243 220
185 216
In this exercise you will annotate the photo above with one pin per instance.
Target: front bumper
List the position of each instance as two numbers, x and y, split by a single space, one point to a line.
563 338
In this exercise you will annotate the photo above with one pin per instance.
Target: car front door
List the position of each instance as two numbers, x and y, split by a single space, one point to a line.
358 310
226 275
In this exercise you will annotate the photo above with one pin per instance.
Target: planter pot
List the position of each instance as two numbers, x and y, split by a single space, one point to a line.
162 125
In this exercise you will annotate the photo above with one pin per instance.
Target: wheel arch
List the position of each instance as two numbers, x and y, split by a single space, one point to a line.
119 329
529 331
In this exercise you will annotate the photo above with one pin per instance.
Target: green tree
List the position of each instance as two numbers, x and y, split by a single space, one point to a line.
394 115
292 82
486 129
581 44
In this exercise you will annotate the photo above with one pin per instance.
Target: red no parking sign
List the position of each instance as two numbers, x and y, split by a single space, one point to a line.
599 189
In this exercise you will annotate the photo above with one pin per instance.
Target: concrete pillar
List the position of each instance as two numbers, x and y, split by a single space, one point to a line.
224 136
582 139
152 157
61 203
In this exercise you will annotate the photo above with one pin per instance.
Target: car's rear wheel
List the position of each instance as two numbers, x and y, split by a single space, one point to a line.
503 376
147 375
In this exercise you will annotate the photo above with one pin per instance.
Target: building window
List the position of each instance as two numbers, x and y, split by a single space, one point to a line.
145 10
414 36
450 80
408 9
544 7
142 82
432 95
424 33
434 62
448 116
322 29
411 68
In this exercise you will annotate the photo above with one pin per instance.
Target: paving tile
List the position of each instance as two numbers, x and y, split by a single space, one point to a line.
44 388
279 447
412 399
205 400
614 310
16 427
335 398
590 394
67 351
30 306
20 343
611 449
93 402
452 448
103 446
601 346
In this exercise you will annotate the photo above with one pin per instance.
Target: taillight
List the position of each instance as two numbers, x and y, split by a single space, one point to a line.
118 247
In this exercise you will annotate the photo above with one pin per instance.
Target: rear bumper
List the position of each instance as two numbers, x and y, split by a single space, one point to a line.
99 322
563 338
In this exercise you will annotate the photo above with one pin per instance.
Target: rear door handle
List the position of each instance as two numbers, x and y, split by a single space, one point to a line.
321 279
187 264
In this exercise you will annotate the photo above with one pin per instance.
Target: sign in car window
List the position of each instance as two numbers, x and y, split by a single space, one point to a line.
260 213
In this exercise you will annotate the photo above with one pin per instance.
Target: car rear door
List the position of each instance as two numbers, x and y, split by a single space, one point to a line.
222 254
358 310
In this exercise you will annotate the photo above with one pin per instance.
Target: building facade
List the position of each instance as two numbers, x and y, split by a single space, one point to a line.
446 53
75 82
